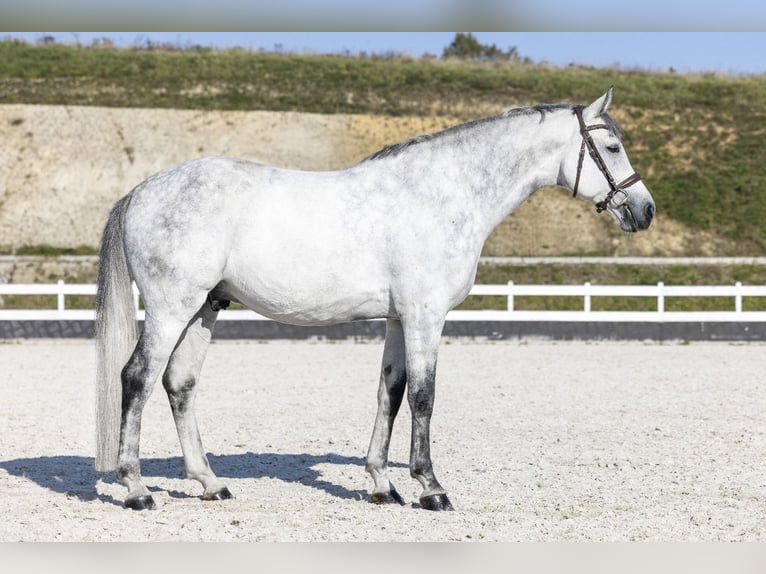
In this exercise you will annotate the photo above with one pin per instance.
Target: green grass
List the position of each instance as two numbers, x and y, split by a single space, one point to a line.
27 302
46 250
697 139
621 274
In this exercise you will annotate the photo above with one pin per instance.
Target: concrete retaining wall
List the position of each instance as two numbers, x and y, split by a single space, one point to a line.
486 330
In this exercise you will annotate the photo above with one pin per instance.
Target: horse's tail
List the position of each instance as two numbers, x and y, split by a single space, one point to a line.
115 335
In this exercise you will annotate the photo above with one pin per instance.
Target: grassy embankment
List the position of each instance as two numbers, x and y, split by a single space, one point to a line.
698 137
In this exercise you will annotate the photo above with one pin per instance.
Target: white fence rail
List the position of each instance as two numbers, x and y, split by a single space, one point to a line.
658 292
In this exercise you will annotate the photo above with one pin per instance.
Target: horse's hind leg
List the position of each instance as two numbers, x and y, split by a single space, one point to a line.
138 377
180 382
390 393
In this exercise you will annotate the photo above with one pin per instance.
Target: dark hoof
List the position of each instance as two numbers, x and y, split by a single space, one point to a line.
436 502
388 497
145 502
223 494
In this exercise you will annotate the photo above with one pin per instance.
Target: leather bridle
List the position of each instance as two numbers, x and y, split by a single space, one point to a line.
587 142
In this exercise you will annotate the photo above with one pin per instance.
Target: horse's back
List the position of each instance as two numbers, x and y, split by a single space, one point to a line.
292 245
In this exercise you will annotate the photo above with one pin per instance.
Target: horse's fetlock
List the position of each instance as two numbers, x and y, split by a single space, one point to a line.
418 471
121 474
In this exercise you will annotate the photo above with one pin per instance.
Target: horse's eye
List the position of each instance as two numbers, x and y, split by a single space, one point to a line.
613 148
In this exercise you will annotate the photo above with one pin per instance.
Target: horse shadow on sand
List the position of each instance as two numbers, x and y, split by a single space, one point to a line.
75 476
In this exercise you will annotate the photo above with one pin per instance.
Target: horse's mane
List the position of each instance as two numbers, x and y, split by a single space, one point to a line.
542 109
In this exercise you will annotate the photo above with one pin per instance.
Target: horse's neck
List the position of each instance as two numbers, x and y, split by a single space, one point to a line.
507 162
479 174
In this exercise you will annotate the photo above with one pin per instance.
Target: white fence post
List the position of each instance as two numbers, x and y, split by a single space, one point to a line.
60 305
738 297
510 296
586 298
660 297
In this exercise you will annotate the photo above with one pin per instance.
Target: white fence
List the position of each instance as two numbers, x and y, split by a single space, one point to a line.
659 292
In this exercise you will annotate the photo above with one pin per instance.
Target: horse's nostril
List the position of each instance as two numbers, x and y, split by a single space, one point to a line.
649 211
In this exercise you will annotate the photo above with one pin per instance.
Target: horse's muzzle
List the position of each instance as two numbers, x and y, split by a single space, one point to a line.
635 217
649 211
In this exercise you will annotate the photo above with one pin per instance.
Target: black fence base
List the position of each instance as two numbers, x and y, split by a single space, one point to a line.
479 330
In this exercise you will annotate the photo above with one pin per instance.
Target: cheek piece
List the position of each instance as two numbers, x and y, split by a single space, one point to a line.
587 142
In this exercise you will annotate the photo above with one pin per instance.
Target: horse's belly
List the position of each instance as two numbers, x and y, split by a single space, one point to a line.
314 274
320 306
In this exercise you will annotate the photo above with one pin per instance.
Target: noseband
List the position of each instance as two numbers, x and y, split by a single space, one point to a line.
587 142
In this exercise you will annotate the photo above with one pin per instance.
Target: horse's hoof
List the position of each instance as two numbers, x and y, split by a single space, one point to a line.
223 494
144 502
390 497
436 502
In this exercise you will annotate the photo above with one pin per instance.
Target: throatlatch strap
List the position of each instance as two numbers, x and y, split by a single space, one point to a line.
579 168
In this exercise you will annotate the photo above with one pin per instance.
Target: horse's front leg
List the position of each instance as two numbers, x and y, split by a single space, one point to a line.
390 394
421 347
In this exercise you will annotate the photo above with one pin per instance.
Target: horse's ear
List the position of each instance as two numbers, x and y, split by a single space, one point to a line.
599 107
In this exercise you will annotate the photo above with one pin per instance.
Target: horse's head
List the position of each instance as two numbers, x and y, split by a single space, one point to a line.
604 175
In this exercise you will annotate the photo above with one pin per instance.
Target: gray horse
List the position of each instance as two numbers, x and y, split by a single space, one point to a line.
396 236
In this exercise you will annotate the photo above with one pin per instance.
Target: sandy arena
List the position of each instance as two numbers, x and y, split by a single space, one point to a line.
534 442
